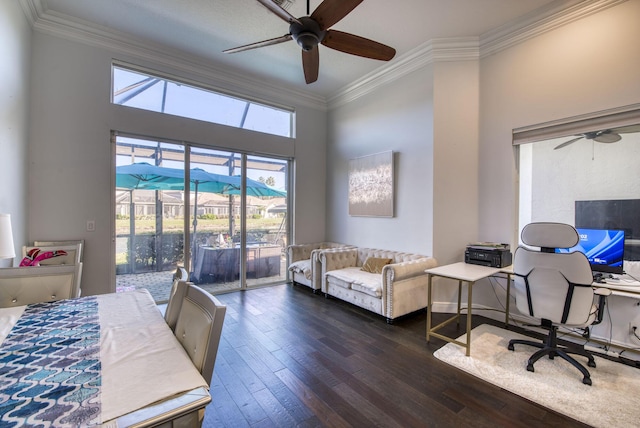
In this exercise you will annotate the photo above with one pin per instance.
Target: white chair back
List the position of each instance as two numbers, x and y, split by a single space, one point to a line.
79 243
176 295
199 327
553 286
73 256
36 284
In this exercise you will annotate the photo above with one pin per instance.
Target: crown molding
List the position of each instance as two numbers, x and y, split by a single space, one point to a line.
458 49
540 21
52 23
29 9
548 18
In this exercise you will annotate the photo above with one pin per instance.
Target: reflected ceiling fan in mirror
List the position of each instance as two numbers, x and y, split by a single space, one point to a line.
309 31
604 136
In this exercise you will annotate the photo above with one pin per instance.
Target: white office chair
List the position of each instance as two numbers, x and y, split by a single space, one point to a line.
199 327
557 289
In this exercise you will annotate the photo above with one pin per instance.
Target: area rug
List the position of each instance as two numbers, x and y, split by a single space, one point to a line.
612 401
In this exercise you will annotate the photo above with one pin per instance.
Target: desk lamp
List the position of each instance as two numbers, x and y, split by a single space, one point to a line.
7 250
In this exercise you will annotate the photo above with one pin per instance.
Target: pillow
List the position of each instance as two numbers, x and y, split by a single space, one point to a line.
375 264
35 256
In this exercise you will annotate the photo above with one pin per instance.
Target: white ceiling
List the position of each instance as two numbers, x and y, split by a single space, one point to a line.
204 28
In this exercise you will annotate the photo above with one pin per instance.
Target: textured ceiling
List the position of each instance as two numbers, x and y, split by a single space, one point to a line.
204 28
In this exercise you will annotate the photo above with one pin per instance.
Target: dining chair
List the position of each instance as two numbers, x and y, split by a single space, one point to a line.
36 284
73 253
198 328
78 243
176 294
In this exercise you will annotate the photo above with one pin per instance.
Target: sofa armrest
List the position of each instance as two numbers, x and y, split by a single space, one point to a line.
337 258
399 271
297 252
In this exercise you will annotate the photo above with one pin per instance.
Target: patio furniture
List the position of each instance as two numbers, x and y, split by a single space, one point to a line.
223 264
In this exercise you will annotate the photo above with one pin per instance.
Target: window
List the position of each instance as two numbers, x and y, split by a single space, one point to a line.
228 228
146 91
577 161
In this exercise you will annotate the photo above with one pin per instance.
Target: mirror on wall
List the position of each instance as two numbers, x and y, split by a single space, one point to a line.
589 180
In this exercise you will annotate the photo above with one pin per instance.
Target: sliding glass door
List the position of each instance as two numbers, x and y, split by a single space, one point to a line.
228 228
265 220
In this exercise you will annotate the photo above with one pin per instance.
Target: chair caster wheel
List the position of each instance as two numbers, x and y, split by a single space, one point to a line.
530 368
591 363
510 347
587 381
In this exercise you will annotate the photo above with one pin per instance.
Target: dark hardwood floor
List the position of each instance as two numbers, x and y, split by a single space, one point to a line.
291 358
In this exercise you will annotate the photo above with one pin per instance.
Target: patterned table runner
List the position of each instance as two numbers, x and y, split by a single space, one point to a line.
50 370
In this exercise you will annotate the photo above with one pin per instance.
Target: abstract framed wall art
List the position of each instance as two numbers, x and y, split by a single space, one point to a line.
371 185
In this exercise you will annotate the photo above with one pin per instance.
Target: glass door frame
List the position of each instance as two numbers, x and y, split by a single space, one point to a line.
189 217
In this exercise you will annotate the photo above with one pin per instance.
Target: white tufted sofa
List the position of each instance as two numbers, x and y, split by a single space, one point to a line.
400 289
304 265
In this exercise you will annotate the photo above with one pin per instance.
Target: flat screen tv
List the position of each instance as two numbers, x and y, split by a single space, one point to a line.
603 247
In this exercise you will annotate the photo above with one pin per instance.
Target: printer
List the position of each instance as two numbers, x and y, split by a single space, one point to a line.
488 254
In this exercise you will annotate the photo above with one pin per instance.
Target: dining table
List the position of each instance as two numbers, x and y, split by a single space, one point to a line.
107 360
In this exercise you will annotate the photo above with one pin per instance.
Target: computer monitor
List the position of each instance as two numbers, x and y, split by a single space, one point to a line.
603 247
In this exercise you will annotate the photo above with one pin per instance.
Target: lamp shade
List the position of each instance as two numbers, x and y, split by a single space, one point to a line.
7 251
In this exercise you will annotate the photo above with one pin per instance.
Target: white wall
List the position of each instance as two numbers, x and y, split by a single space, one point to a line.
586 66
397 117
584 170
15 51
456 121
430 118
452 122
71 162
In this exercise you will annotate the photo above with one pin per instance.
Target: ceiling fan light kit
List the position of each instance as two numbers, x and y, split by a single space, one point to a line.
309 31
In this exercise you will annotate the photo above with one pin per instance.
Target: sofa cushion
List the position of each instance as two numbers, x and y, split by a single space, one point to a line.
375 264
357 279
302 266
340 277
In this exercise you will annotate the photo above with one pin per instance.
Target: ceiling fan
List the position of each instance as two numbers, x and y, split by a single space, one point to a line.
309 31
603 136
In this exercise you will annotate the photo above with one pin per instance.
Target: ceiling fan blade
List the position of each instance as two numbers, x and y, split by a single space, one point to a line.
280 12
627 129
261 44
311 64
331 11
356 45
566 143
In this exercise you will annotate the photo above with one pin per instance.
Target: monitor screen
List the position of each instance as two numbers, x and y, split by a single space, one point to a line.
603 247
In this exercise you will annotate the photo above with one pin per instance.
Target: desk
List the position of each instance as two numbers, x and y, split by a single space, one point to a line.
94 360
624 286
462 272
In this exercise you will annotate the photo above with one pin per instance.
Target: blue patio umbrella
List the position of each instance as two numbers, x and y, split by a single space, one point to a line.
144 176
258 189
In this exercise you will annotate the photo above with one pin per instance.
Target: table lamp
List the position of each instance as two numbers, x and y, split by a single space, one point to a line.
7 250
